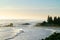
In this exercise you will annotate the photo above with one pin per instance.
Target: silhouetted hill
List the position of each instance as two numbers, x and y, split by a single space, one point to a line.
50 22
55 36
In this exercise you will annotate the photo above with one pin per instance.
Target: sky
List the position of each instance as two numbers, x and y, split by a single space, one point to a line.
29 9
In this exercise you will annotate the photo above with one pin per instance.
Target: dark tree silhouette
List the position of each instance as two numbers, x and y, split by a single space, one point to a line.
49 20
11 24
58 20
55 20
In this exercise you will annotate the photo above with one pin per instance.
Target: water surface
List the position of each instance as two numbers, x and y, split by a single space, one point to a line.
30 33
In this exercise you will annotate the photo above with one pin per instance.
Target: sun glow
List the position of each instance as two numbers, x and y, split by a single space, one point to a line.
20 14
4 17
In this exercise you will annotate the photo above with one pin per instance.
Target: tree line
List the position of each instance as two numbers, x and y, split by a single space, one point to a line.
51 21
55 20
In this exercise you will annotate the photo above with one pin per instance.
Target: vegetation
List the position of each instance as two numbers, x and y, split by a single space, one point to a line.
50 22
55 21
10 25
55 36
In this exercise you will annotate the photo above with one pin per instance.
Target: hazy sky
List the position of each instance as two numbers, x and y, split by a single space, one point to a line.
29 9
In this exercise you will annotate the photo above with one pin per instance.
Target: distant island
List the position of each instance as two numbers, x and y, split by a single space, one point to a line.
26 24
50 22
9 25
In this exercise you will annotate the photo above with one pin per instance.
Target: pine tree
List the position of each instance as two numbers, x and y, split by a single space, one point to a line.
55 20
50 20
58 20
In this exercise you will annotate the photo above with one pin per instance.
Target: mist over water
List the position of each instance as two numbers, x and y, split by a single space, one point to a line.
24 32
